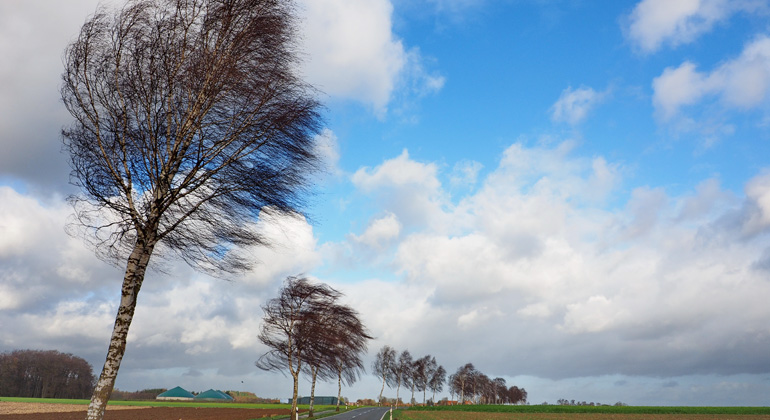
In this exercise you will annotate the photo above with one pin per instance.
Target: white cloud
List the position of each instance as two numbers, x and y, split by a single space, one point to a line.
533 249
327 147
465 173
409 189
354 54
573 106
742 83
758 195
380 232
654 23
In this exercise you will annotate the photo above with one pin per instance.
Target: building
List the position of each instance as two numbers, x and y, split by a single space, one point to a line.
214 395
176 394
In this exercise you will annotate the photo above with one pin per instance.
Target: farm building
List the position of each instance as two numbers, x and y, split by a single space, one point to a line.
214 395
176 394
318 400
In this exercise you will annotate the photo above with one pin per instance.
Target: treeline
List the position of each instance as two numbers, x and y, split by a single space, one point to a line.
45 374
470 385
397 370
424 374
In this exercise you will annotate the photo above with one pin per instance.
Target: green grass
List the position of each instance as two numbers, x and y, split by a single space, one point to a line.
166 403
555 409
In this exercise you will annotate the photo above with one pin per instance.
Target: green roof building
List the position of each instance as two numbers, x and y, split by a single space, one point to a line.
214 395
176 394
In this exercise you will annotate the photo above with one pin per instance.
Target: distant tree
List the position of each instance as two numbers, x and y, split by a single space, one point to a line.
350 343
517 395
382 366
500 389
436 382
44 374
293 327
424 369
190 121
401 372
464 378
454 385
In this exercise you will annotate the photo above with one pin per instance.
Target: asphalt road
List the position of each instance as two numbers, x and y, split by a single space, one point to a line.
367 413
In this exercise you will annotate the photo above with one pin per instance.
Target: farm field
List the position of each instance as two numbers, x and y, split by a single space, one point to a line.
582 413
47 409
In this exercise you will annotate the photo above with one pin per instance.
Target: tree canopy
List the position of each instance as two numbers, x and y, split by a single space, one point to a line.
190 122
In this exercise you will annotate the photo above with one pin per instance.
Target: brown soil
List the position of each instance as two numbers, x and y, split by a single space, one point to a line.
24 411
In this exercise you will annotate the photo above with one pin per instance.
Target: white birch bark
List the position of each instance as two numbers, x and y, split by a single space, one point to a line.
132 282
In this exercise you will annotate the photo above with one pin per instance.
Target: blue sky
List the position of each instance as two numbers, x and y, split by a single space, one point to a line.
574 196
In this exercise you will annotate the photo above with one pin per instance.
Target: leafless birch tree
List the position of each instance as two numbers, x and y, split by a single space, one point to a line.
305 328
382 366
189 123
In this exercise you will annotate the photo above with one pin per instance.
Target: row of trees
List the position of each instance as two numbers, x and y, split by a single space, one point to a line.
45 374
308 331
420 375
469 384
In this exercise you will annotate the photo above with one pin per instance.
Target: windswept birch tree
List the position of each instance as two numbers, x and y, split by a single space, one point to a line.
382 366
190 122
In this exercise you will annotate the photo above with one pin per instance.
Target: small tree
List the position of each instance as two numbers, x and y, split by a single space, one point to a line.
424 368
189 122
382 367
401 372
292 327
436 383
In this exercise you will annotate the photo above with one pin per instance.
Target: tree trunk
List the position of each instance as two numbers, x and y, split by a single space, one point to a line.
132 282
294 408
379 402
314 370
397 389
339 388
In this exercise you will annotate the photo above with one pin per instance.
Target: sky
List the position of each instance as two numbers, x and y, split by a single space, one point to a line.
571 195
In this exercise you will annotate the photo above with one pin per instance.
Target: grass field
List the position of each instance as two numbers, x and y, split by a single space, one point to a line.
165 403
558 412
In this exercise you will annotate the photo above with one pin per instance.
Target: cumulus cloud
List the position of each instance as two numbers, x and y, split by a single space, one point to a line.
654 23
409 189
380 232
741 83
573 106
535 254
352 53
327 147
32 40
465 173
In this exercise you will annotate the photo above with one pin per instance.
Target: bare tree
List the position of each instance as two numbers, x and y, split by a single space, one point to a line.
464 378
293 327
382 367
424 368
350 338
500 389
189 123
436 383
401 372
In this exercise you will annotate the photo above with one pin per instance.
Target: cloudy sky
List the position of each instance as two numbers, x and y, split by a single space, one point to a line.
572 195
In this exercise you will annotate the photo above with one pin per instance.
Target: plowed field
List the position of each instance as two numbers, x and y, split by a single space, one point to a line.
25 411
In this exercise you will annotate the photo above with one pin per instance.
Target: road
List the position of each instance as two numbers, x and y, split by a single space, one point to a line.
366 413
